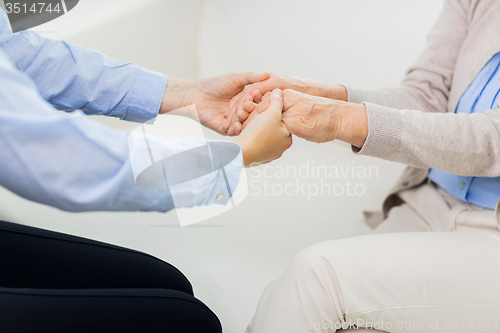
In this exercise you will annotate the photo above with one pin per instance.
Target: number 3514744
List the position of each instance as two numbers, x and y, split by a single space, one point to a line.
33 8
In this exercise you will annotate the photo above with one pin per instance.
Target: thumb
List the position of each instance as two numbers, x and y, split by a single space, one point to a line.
276 106
244 79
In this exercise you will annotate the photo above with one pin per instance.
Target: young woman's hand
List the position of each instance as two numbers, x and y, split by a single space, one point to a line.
266 138
211 98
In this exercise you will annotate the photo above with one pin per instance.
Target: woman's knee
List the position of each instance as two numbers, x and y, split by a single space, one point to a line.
316 258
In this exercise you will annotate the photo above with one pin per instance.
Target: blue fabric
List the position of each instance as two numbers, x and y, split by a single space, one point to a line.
482 95
69 161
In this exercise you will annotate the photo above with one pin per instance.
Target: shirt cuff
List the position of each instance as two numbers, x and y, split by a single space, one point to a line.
216 187
384 133
147 95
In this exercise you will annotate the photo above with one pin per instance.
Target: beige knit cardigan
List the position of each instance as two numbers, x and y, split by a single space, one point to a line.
416 123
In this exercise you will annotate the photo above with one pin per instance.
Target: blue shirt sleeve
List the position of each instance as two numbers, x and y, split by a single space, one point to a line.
71 77
75 164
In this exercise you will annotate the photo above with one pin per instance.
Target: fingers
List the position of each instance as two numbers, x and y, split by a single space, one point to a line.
256 95
276 107
242 115
248 107
245 103
228 115
266 138
266 95
276 99
240 80
244 112
232 103
232 117
290 97
264 105
244 109
251 92
254 91
231 132
237 128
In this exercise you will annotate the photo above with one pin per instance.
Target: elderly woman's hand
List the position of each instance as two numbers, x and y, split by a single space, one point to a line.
317 119
320 119
254 92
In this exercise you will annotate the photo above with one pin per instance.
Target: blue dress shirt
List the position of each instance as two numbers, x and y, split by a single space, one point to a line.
71 162
482 95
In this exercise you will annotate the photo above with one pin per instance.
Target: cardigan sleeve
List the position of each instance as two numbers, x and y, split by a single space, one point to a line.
409 123
460 144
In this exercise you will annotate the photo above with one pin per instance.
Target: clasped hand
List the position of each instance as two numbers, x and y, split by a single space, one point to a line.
254 107
312 110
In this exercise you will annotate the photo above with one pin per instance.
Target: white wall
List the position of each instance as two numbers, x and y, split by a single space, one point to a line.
365 43
230 258
160 35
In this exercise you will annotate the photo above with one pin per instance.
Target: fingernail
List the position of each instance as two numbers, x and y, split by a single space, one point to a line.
278 93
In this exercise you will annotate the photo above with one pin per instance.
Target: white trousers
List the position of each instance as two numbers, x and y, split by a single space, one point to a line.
432 266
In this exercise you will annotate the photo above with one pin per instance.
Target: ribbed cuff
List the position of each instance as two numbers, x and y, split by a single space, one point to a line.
384 133
355 95
147 95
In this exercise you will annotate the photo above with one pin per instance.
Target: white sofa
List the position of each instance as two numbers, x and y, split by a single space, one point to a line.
230 258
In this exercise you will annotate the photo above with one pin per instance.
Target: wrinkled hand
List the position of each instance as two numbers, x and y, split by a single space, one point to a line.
318 119
315 119
212 97
254 92
321 119
266 138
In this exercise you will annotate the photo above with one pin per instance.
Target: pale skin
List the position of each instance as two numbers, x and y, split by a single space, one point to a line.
258 89
213 97
313 110
234 104
264 140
